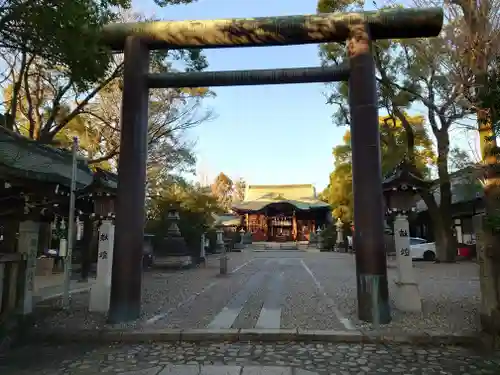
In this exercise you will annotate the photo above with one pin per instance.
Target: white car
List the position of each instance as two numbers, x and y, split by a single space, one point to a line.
420 249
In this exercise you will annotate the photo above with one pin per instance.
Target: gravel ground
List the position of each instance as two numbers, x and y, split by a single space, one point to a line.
450 295
162 290
318 289
305 306
326 358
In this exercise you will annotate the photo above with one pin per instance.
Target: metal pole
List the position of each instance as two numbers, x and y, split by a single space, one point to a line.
71 227
367 181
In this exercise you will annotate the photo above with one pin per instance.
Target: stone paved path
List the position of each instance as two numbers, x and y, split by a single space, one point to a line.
326 358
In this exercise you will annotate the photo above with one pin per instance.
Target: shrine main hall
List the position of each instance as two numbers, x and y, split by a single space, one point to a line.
281 213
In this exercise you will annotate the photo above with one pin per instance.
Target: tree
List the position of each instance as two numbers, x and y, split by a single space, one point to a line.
50 107
489 239
393 146
239 189
48 28
414 72
222 190
477 47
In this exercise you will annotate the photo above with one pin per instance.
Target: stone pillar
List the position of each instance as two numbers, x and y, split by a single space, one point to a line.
222 249
101 290
407 293
202 249
242 237
319 238
340 235
28 246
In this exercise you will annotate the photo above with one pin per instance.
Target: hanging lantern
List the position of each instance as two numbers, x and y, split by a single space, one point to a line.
401 188
104 204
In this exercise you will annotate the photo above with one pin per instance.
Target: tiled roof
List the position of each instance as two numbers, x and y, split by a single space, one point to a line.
465 187
257 197
21 157
291 192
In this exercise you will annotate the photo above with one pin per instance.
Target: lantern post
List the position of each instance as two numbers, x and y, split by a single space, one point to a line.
400 190
222 248
339 225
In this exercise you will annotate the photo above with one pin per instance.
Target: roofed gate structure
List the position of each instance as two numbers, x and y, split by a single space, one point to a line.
282 213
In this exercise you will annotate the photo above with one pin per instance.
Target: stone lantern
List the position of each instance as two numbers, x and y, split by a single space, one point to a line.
319 238
173 248
242 237
339 225
172 220
222 248
203 241
401 187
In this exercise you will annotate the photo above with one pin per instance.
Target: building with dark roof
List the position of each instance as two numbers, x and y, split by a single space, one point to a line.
282 212
467 202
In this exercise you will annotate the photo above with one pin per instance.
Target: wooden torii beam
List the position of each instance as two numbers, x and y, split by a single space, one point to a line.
273 31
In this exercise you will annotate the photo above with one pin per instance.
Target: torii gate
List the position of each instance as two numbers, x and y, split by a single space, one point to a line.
358 29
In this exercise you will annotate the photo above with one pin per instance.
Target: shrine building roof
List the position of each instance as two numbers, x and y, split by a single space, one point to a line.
302 196
23 158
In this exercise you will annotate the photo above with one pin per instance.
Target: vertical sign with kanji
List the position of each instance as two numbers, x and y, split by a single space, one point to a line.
101 290
407 294
28 246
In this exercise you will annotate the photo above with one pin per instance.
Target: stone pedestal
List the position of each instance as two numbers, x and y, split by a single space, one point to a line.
28 246
101 290
339 243
319 239
222 249
407 294
203 260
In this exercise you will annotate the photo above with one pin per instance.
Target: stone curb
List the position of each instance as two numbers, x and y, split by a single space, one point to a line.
253 335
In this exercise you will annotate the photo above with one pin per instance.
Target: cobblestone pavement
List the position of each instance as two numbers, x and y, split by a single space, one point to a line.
327 358
286 289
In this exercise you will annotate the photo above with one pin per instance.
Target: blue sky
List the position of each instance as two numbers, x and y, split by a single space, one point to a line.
276 134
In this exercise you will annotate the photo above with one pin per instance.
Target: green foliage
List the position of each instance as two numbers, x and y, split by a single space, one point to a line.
329 237
490 97
195 210
393 146
63 32
49 107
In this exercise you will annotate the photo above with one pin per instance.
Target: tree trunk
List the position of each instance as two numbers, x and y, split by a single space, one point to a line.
446 244
442 225
489 254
